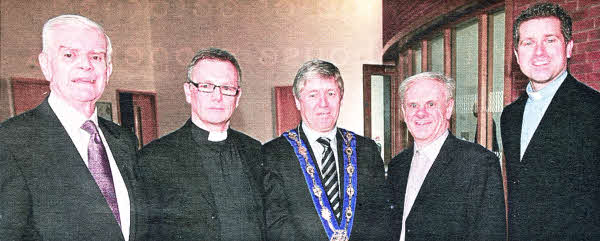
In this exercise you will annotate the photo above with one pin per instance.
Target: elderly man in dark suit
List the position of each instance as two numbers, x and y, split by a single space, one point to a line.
444 188
67 174
551 136
323 182
204 181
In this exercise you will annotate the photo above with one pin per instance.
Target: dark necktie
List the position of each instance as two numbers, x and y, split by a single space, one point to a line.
330 179
100 168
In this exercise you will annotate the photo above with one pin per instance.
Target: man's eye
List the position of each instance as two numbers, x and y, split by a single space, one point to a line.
204 86
96 57
228 87
430 104
68 55
412 105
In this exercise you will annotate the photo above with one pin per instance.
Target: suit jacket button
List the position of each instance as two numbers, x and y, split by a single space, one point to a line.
212 217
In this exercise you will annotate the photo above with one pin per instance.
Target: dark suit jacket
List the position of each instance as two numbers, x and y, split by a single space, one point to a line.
461 197
179 204
554 192
46 190
290 212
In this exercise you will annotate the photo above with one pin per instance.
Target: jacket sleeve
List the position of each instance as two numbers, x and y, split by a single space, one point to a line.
15 202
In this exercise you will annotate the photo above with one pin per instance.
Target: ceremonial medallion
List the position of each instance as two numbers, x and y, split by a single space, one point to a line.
335 231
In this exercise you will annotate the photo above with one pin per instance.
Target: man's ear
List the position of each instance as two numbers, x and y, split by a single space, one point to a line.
516 55
109 68
188 93
449 108
43 58
237 101
297 103
569 48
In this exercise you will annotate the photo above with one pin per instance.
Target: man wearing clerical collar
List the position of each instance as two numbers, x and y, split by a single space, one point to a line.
443 188
204 180
323 182
67 174
551 136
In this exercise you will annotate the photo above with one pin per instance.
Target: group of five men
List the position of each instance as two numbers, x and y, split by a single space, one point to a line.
69 175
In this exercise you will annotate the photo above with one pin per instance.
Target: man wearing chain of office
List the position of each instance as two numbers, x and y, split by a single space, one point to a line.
323 182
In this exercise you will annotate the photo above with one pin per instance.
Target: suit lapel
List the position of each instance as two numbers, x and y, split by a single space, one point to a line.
437 171
553 117
64 163
513 150
401 175
124 155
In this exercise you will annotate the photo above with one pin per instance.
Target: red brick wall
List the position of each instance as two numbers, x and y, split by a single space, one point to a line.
585 61
401 17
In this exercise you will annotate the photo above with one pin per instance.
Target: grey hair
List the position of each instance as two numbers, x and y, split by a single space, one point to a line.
77 20
320 68
213 54
449 83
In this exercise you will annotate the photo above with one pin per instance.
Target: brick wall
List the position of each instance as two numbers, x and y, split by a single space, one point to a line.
400 18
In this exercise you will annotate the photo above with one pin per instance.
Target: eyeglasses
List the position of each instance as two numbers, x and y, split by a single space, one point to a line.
209 88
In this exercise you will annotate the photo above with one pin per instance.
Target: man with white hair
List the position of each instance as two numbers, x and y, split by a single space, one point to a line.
66 173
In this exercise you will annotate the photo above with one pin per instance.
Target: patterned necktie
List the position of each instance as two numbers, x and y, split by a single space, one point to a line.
330 179
100 168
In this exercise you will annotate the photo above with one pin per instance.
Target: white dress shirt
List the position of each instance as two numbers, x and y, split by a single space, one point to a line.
318 149
423 158
72 120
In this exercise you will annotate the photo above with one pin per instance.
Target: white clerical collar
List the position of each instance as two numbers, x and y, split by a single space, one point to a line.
69 117
214 136
313 135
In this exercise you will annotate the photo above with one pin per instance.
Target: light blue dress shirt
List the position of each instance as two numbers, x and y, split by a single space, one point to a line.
536 106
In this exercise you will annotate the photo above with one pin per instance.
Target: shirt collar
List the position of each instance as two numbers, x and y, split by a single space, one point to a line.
313 135
432 149
548 91
213 136
70 118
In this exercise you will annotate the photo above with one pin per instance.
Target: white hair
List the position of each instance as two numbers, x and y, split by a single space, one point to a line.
61 20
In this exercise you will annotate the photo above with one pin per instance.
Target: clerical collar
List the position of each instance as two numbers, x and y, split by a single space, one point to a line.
214 136
548 91
313 135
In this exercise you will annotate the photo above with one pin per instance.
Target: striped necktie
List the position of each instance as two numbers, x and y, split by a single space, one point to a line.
330 177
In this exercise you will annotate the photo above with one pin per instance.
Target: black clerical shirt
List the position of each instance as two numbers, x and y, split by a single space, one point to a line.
230 187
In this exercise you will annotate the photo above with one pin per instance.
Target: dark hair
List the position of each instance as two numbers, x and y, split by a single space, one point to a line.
213 54
320 68
542 10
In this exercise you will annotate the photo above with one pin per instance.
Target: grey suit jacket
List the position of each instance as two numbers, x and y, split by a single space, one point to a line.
46 190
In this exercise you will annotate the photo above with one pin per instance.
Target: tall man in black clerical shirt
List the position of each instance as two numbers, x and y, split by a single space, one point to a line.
551 136
203 181
323 182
